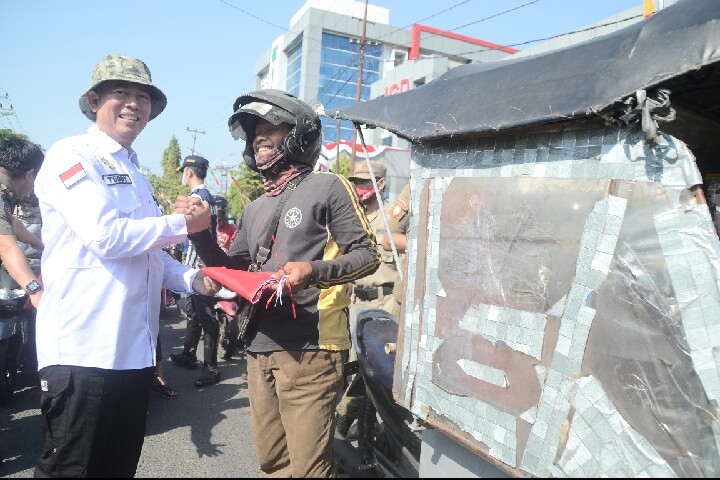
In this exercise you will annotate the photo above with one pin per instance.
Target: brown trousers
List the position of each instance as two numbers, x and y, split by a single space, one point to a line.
292 406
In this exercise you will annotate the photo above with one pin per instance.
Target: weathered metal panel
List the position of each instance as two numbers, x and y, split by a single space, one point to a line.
563 310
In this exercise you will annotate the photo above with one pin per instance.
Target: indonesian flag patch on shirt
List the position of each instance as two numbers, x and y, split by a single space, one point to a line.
72 175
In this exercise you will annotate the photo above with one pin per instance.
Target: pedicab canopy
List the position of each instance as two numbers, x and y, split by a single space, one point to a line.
561 312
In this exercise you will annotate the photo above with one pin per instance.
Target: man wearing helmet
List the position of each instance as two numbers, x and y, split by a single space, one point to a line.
323 241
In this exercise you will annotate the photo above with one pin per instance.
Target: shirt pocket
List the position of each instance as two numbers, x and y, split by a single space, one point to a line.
126 198
54 406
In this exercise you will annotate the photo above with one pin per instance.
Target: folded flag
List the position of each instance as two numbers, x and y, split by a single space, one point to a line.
249 285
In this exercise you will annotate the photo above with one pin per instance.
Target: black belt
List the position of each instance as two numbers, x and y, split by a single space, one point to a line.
367 294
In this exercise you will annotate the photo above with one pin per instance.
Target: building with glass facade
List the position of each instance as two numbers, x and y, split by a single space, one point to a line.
318 59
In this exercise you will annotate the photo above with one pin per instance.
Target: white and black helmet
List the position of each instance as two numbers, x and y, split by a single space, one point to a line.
303 143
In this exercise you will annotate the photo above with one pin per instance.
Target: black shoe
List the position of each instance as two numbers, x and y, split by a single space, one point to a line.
342 425
210 378
163 389
184 359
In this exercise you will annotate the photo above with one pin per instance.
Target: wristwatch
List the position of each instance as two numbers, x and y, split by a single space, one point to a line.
33 287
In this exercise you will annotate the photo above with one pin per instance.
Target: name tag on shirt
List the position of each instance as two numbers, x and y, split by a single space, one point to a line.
117 179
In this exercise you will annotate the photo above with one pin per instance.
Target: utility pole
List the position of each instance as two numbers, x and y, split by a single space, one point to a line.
337 149
359 84
7 110
223 170
194 135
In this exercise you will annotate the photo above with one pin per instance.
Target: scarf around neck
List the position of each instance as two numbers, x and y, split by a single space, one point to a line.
277 174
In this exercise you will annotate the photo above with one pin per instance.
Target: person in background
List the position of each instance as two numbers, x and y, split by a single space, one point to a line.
226 231
27 210
373 291
199 309
20 161
103 270
160 384
297 353
398 219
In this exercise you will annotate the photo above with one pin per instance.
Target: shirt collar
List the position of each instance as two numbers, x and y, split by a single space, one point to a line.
111 146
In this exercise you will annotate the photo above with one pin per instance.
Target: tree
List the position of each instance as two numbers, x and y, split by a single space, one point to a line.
345 158
166 191
9 132
169 185
250 187
171 160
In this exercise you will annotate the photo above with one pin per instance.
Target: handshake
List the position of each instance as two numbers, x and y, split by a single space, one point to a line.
196 211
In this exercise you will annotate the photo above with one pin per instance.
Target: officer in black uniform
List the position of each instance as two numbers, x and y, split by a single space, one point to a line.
199 308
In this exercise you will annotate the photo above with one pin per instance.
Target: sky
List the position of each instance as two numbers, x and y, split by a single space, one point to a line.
202 55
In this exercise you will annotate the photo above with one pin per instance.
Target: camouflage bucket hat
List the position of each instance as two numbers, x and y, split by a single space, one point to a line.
128 69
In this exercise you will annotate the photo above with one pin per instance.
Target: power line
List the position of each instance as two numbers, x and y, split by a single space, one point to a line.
325 12
194 135
9 113
423 19
496 15
352 60
351 63
626 19
254 16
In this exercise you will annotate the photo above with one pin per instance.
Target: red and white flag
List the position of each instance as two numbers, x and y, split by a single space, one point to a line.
72 175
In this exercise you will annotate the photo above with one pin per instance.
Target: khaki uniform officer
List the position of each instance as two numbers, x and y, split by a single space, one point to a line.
374 291
398 217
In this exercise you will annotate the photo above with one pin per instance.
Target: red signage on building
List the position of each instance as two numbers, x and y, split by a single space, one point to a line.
402 86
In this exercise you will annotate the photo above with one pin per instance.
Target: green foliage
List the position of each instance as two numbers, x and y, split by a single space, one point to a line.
169 185
9 132
171 160
345 159
167 190
251 187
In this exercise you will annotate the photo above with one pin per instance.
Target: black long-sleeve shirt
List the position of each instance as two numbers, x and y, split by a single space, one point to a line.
322 223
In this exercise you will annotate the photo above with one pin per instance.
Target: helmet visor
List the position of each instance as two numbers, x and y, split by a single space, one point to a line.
245 118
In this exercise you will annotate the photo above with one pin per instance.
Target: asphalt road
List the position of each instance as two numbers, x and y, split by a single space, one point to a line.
201 433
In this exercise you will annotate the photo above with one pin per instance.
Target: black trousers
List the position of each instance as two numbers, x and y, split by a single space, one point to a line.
201 308
94 421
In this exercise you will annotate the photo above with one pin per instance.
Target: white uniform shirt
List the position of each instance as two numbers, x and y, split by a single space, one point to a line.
103 266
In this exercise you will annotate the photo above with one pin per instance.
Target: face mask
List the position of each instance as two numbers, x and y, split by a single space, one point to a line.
184 180
366 194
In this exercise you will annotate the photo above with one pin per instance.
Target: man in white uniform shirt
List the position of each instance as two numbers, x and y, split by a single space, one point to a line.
103 269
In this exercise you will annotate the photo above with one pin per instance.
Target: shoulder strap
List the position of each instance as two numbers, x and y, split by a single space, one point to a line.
264 250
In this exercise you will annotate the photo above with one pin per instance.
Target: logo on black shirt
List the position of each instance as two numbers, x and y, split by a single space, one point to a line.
293 217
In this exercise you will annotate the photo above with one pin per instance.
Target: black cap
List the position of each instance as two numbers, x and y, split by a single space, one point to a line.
194 161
